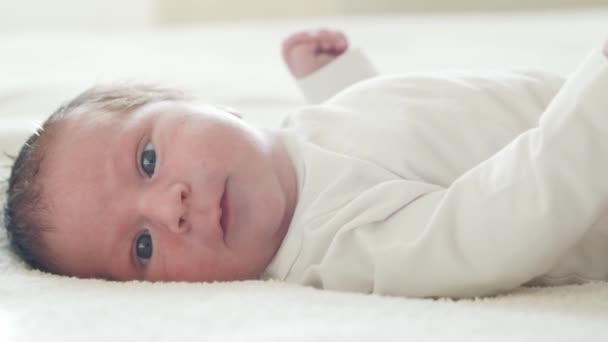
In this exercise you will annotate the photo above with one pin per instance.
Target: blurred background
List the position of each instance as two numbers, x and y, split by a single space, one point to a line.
113 15
228 51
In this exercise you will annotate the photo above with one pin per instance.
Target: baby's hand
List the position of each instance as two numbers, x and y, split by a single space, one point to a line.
306 52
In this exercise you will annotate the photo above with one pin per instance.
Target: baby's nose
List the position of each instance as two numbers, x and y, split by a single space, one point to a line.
167 206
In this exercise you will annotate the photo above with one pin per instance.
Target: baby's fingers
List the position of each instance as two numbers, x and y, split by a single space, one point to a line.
331 41
299 38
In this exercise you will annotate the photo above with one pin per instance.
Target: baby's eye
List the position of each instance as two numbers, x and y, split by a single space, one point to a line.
148 160
143 247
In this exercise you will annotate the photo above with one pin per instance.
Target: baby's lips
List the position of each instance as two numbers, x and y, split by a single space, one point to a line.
224 210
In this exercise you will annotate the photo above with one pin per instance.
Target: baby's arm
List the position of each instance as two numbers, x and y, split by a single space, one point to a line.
346 70
323 64
502 223
510 219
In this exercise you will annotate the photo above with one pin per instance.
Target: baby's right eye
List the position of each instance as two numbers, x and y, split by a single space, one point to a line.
147 160
143 247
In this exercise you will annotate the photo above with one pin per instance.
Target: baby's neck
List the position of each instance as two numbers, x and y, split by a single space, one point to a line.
286 175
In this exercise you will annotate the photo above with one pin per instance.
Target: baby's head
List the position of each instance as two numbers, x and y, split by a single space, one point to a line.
141 182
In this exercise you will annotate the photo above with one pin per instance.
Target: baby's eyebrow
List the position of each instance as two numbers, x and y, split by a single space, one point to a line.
124 275
119 265
132 271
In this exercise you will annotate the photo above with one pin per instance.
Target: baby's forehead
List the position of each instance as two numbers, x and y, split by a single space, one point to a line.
116 114
90 121
94 120
90 115
80 133
75 125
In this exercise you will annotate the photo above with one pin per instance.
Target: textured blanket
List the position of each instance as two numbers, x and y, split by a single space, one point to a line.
37 307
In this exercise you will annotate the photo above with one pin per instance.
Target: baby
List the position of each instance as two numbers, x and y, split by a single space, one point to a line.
422 185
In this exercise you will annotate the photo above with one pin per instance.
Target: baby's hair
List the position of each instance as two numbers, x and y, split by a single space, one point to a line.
25 210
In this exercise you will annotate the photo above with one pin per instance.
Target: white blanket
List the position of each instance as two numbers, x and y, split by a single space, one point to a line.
239 65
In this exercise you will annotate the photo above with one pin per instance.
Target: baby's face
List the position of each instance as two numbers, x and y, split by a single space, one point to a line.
169 192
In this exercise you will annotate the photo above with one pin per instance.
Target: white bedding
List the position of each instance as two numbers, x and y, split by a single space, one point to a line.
238 65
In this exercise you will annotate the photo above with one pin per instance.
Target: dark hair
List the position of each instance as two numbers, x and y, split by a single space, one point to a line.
25 209
23 206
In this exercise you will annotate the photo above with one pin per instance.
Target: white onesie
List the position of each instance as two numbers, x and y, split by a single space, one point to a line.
449 184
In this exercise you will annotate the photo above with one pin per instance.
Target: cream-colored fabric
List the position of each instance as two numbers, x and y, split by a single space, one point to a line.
349 68
37 307
451 184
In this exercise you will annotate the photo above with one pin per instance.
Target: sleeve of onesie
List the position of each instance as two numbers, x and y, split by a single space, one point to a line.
510 218
351 67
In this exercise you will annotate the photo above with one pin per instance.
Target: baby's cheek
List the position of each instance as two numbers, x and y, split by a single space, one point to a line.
179 260
165 253
191 268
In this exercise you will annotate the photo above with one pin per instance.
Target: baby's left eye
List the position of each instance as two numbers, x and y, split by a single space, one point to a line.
147 160
143 247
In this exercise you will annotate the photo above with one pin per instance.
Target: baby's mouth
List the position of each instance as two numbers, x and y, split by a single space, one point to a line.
225 207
